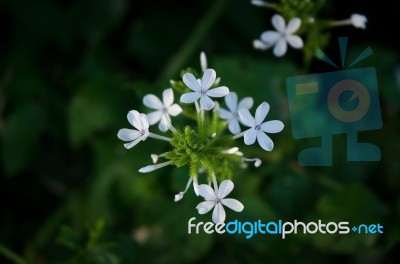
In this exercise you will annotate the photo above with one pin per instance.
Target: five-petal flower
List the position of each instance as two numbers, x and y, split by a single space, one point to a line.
201 89
216 199
281 36
164 109
232 114
259 128
138 121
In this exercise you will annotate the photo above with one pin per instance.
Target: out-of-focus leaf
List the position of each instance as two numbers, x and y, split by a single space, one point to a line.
69 238
21 137
354 204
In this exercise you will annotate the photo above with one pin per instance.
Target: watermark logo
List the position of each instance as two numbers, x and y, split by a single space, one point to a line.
281 228
325 104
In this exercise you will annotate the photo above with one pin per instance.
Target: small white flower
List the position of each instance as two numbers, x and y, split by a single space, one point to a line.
281 36
201 89
216 199
165 109
259 128
232 115
138 121
358 21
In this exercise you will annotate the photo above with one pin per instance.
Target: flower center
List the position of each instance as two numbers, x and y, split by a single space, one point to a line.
258 127
217 201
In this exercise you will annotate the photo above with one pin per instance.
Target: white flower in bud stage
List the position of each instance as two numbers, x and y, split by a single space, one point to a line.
358 21
279 38
355 20
232 115
259 128
216 199
165 109
138 121
201 89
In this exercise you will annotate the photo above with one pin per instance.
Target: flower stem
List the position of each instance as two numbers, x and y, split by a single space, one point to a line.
239 135
346 22
159 137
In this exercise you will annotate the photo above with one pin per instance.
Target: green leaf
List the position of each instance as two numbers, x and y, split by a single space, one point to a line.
21 137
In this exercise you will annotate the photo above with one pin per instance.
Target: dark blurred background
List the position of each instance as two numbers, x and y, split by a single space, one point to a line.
70 193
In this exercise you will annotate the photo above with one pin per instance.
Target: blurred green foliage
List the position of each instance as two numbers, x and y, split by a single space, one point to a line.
70 193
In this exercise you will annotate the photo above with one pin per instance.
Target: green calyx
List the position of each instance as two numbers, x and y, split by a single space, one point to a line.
202 150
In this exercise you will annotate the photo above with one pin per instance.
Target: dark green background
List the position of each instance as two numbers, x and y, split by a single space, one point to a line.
71 70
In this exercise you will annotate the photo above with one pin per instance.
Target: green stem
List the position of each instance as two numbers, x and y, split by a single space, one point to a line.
9 254
178 61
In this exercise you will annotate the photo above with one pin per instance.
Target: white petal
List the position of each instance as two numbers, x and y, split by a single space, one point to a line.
225 188
168 97
152 101
207 192
134 119
246 118
218 214
295 41
261 112
174 110
234 126
231 101
165 123
260 45
128 134
271 37
274 126
279 23
190 97
133 143
233 204
144 121
218 92
191 82
225 114
208 79
246 102
154 117
264 141
206 102
293 26
250 136
203 61
280 48
205 207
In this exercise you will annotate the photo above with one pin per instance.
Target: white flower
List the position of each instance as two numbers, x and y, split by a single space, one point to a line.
281 36
358 21
258 128
201 89
215 199
138 121
232 116
165 109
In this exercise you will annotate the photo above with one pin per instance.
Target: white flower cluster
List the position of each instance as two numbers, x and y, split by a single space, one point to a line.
285 34
201 95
